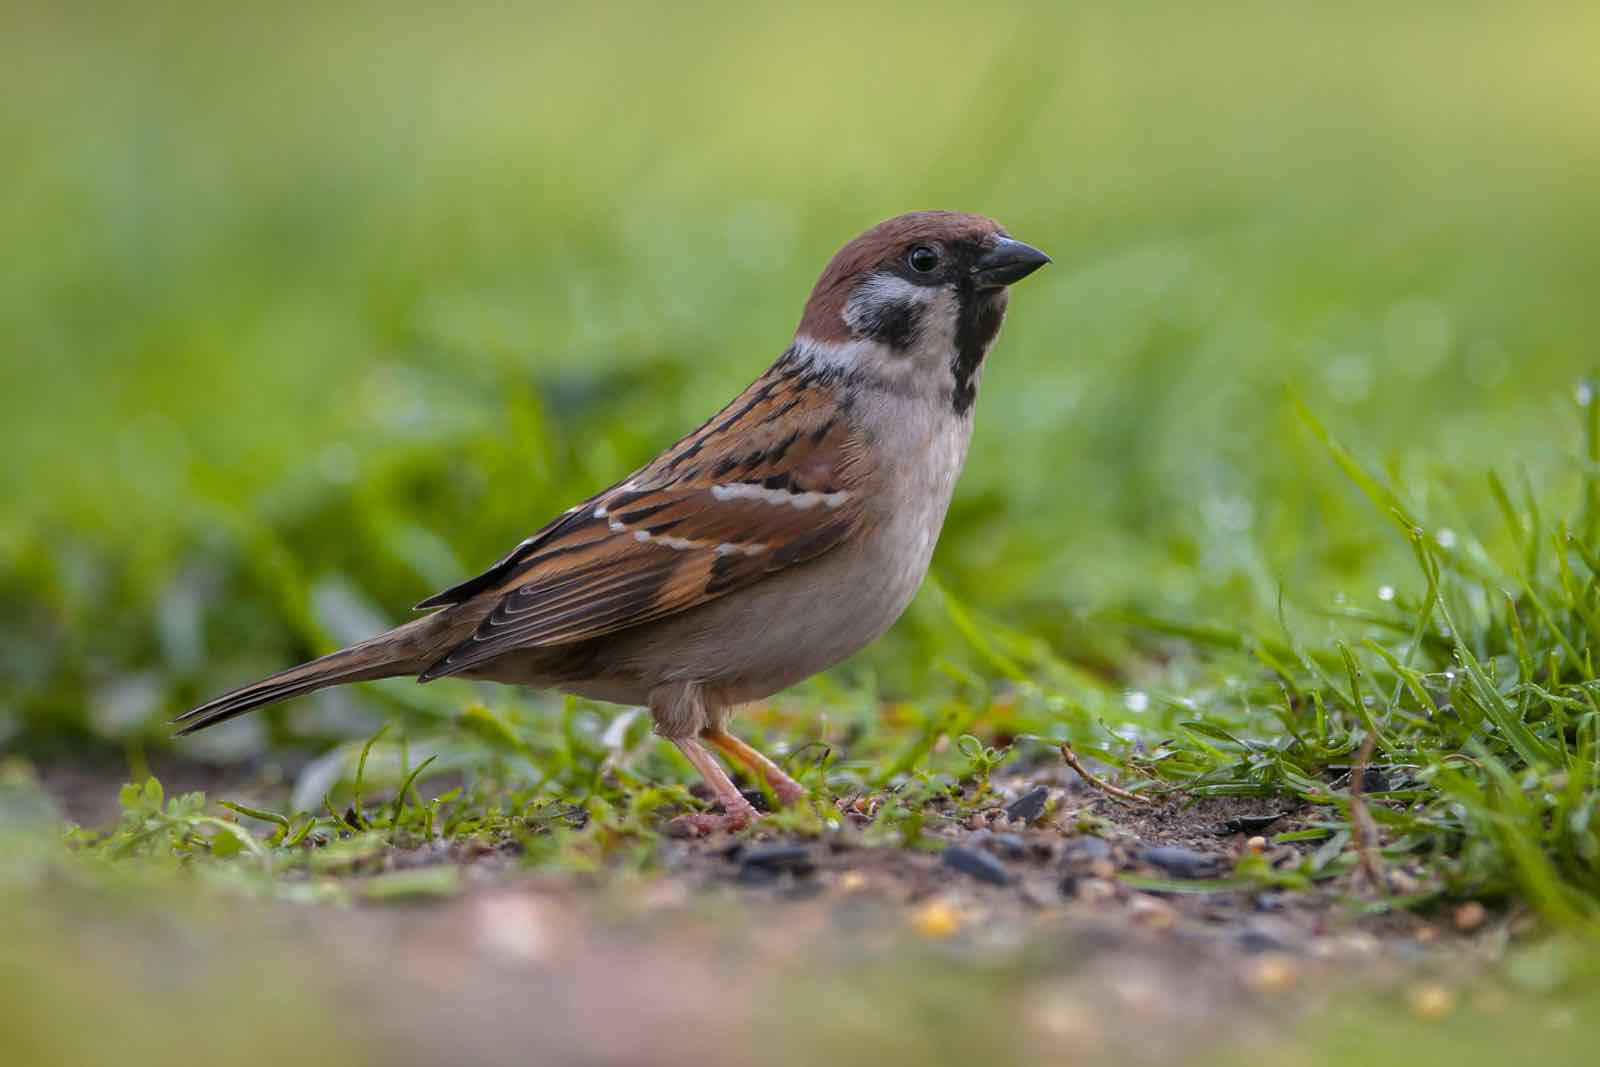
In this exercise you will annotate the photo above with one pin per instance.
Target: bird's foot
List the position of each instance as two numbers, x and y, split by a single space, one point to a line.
703 824
737 811
788 791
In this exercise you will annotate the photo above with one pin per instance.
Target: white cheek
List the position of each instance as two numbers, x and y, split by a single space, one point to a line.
923 369
879 291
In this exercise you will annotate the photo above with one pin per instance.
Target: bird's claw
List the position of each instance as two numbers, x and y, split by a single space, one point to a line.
702 824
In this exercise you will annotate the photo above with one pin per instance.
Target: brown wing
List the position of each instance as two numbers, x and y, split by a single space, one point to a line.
775 479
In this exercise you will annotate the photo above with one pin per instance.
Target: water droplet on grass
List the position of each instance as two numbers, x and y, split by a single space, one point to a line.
1418 335
1348 379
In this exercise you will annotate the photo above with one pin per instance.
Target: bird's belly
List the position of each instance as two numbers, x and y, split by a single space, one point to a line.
822 615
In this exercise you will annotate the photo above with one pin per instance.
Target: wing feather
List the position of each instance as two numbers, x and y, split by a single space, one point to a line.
778 478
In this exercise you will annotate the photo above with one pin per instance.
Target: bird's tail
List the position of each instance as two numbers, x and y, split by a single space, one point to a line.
399 651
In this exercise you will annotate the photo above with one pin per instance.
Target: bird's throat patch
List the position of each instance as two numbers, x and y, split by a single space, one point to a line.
978 320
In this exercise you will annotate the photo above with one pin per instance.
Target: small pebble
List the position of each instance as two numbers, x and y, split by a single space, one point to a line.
1269 902
844 839
795 859
1431 1002
1086 850
1359 943
1258 939
1147 911
853 881
1030 805
1038 892
1085 855
936 919
979 865
1181 862
1095 890
1470 916
1007 846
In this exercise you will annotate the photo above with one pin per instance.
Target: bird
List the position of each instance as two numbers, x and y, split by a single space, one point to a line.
781 536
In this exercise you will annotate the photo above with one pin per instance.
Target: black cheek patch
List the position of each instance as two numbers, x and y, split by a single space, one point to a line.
896 324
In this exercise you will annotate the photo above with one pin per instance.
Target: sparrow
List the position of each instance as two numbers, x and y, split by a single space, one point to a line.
784 534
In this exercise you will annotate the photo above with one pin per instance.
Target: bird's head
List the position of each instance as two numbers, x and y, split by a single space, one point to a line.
915 302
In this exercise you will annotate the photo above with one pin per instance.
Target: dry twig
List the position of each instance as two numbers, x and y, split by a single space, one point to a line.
1101 784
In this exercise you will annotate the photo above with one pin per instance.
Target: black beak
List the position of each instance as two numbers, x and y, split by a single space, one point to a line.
1007 262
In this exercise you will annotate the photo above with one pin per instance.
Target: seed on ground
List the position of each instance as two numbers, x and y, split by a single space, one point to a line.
937 918
1271 973
1431 1001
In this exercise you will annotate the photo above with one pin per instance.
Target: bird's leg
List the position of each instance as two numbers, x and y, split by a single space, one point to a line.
737 811
679 710
786 789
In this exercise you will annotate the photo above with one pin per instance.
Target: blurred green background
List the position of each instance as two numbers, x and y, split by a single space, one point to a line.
309 314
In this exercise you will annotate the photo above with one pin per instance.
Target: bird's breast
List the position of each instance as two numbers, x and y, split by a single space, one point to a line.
811 618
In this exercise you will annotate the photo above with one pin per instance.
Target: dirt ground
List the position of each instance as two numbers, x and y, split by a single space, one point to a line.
802 948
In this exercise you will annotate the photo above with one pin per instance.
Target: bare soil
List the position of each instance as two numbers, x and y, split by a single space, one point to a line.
1020 937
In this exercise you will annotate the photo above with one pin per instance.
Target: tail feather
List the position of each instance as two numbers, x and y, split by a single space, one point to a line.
385 656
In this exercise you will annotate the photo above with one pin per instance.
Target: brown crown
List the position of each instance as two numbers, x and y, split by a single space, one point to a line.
823 319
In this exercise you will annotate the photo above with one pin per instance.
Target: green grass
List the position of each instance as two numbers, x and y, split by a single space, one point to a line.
305 318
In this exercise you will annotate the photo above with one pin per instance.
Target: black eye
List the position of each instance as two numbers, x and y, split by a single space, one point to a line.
922 259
